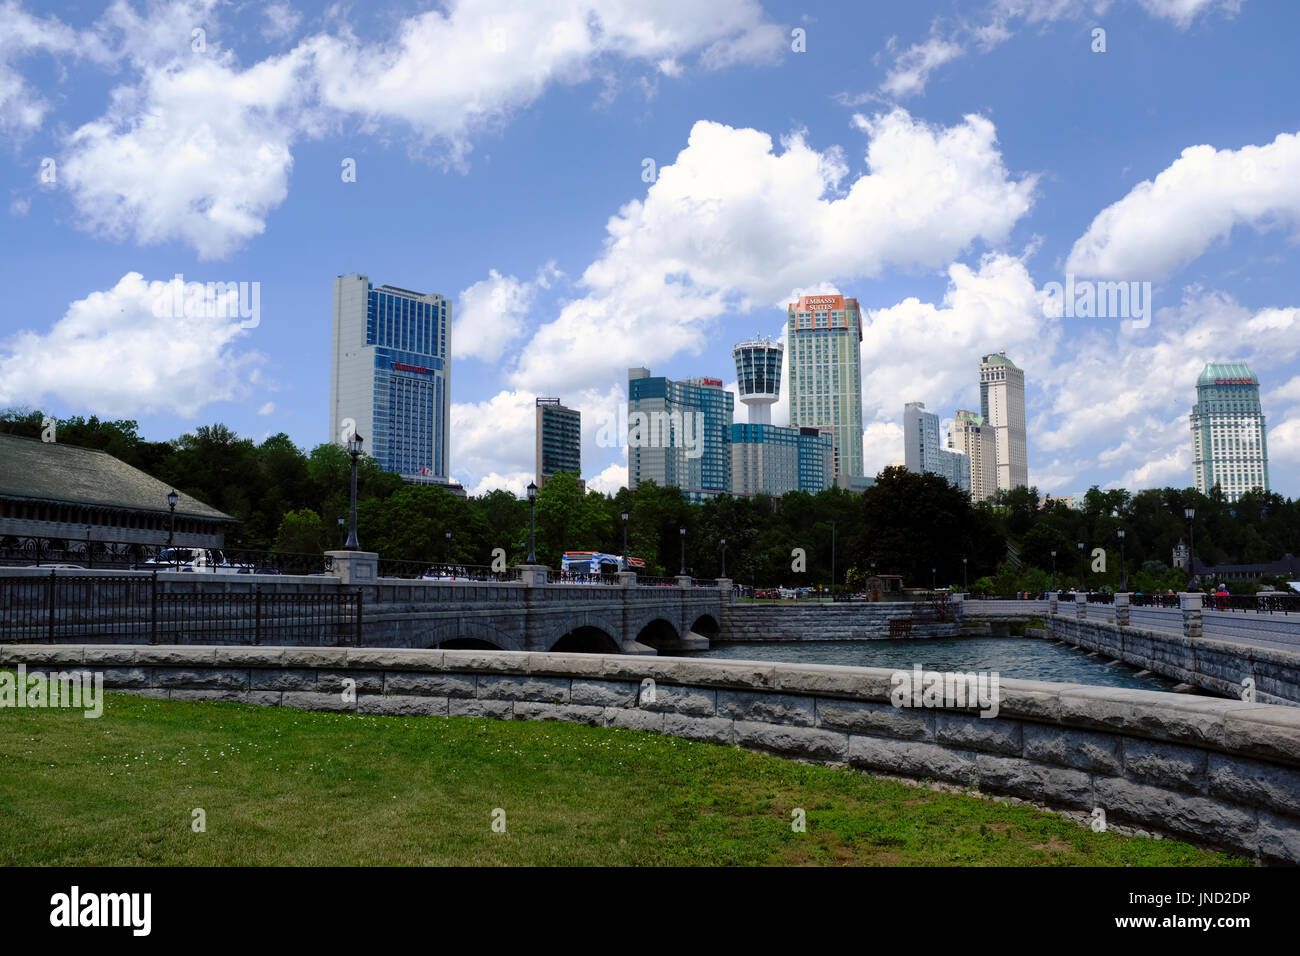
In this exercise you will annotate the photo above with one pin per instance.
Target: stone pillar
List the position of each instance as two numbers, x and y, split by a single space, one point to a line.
533 575
958 601
1081 606
1052 604
1191 603
1121 609
724 590
683 580
627 579
354 567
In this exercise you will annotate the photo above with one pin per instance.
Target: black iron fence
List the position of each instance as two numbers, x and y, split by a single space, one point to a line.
1153 600
1265 602
66 608
110 555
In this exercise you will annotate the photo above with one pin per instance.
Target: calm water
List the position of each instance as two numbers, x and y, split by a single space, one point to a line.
1012 657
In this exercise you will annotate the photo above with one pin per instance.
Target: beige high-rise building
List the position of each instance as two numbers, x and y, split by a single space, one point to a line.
970 435
1002 406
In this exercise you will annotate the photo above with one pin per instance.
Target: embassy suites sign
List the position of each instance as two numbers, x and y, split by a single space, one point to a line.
1234 381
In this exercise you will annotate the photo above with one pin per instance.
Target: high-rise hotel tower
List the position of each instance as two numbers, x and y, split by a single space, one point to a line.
824 333
766 458
391 376
1229 447
1002 406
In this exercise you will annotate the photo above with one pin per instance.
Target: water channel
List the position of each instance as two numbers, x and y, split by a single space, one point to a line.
1021 658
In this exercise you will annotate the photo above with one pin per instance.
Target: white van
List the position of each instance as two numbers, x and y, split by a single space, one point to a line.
194 559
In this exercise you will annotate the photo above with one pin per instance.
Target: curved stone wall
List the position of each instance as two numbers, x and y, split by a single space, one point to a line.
1223 773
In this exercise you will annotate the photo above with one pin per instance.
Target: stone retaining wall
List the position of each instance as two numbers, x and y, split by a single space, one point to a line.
1214 665
1221 773
814 621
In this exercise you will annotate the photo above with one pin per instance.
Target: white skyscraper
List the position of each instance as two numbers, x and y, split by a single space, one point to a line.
825 367
922 450
1002 406
970 435
1229 445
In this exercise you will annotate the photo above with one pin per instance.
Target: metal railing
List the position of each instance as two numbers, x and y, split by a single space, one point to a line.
645 580
1154 600
1265 602
140 609
116 555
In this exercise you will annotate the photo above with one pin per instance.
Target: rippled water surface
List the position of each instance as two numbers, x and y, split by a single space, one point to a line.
1012 657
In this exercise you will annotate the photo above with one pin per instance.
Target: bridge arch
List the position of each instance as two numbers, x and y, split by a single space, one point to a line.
465 634
586 639
706 625
658 633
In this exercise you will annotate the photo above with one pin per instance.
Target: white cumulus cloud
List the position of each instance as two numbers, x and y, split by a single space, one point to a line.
111 354
1165 223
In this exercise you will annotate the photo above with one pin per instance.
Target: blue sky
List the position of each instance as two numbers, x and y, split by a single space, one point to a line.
944 163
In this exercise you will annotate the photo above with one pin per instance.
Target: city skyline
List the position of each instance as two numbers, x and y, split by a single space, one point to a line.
723 175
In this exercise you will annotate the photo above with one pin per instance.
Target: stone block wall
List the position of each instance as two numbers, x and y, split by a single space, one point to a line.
1220 773
813 621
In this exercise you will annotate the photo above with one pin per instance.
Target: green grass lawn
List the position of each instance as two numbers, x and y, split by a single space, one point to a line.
291 787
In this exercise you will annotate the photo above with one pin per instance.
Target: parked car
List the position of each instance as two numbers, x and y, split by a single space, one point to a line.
58 567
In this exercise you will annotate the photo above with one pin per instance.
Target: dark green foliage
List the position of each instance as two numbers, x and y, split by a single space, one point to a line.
907 523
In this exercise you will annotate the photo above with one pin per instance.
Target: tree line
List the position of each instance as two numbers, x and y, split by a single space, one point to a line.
915 525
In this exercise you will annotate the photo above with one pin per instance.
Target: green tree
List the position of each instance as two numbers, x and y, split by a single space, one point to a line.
568 519
300 531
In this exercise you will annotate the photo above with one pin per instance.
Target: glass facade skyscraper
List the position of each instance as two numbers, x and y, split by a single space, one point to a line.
824 333
770 460
679 434
559 440
767 459
391 376
1229 445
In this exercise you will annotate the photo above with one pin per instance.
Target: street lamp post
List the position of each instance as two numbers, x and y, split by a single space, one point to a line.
934 581
1190 513
532 512
448 551
354 449
1053 570
1080 566
172 498
1123 579
682 532
624 540
965 586
342 524
724 557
